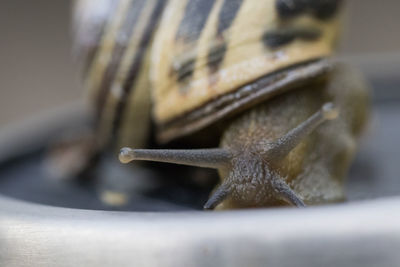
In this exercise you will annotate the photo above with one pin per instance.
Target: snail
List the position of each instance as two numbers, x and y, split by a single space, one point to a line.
256 75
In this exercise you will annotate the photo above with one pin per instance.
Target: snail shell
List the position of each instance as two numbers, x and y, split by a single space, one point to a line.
258 69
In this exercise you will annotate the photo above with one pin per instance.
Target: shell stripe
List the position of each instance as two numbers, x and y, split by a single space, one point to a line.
197 13
323 10
105 50
226 16
136 65
190 28
91 54
123 34
98 33
115 88
194 20
276 38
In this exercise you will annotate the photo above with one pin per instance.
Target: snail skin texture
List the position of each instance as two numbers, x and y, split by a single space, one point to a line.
258 70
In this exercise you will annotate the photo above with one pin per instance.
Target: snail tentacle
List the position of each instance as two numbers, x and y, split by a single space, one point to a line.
214 158
286 193
280 148
220 194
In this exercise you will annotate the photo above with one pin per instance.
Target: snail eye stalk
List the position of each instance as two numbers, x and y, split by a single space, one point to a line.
214 158
281 147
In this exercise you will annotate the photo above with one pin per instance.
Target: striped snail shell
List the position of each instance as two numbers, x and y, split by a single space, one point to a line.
258 70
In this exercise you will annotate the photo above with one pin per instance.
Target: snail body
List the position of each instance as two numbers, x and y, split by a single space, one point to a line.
256 69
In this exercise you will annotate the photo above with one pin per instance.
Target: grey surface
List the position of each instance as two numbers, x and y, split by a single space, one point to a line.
362 234
376 170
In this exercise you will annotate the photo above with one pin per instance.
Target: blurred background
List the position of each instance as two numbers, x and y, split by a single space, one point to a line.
37 71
